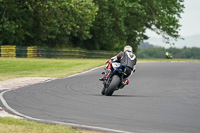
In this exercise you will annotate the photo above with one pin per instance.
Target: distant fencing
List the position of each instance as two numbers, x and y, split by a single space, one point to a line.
42 52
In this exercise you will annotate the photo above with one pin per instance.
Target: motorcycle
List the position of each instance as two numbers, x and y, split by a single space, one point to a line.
115 79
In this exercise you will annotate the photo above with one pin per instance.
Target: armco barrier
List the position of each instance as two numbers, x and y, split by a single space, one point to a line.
43 52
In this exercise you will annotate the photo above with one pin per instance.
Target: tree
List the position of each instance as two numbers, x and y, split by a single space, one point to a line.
91 24
163 17
36 22
124 22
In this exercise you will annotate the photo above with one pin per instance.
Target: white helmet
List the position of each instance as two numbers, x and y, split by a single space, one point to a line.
128 48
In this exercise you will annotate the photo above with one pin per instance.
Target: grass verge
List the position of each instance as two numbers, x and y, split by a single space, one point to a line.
55 68
11 125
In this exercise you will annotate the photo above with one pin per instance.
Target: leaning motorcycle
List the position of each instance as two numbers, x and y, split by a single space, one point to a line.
115 79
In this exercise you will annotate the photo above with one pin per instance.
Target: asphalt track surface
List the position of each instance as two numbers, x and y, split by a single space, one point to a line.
161 98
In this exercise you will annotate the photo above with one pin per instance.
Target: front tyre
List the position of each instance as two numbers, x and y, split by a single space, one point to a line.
113 85
103 91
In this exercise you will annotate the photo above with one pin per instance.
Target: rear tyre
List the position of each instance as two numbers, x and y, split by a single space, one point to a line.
113 85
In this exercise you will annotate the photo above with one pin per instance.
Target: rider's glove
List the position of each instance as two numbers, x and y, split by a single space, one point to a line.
113 59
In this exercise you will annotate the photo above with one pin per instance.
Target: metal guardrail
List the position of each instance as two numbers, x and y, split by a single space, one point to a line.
42 52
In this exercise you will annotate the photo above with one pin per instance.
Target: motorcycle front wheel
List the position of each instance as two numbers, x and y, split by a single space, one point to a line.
103 91
113 85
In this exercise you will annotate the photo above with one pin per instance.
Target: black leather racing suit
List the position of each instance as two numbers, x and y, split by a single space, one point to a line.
128 59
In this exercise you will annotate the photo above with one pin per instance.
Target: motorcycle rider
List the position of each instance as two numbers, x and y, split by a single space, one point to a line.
126 58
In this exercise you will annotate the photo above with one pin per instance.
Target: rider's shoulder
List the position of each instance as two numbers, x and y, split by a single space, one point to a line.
121 53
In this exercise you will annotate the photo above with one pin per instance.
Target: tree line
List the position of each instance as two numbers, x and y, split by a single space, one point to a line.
159 52
88 24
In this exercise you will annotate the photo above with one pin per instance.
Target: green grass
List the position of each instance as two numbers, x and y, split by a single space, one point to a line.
11 125
55 68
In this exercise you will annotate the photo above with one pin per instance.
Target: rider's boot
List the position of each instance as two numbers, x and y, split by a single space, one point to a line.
106 74
126 82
